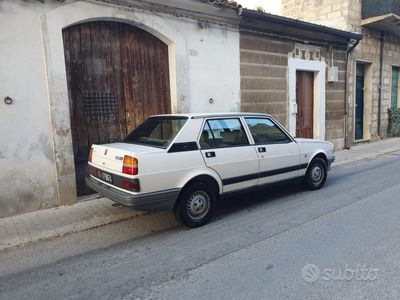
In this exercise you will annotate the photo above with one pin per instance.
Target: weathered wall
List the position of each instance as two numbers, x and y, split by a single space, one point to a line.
368 52
341 14
346 15
264 82
36 161
214 68
391 57
263 71
27 170
335 99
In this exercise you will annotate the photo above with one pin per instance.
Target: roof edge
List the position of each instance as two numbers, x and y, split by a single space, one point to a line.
298 23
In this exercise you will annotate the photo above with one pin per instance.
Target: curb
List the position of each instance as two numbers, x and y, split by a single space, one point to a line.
363 157
66 230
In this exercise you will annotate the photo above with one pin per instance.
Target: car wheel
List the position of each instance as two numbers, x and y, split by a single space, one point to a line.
316 174
195 205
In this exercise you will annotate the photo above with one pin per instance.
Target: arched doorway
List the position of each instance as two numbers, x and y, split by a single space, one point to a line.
117 76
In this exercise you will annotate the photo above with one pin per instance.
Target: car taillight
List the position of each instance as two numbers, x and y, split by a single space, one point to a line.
90 154
130 165
131 185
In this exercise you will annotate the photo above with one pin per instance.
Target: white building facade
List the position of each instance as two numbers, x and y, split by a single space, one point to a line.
37 131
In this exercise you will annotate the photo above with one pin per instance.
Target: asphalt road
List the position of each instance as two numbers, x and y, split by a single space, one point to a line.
340 242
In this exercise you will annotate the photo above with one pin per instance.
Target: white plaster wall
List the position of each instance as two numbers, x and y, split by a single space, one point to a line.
35 131
214 68
27 170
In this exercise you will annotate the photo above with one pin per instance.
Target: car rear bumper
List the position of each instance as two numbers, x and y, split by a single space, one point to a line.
163 200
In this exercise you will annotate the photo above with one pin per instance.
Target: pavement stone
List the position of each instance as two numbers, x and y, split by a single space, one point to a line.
20 230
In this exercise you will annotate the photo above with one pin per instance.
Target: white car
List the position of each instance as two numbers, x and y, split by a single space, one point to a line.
186 162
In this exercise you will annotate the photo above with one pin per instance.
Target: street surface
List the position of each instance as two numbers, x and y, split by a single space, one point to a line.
340 242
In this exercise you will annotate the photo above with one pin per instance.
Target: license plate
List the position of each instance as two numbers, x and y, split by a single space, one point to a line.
105 176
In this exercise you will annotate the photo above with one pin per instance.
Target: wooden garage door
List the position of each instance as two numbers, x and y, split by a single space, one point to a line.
117 76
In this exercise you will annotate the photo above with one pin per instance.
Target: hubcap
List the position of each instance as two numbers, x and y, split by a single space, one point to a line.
198 205
317 174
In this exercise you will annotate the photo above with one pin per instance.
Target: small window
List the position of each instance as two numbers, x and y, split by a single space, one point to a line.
264 131
223 133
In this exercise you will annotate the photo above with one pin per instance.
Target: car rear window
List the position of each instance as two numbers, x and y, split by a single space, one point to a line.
156 131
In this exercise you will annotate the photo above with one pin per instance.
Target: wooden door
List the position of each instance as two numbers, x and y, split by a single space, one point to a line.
305 104
117 76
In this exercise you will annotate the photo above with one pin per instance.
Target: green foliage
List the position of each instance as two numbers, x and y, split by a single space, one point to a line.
260 9
394 122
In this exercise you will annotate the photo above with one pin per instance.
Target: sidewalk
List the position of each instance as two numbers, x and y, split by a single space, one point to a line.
46 224
366 151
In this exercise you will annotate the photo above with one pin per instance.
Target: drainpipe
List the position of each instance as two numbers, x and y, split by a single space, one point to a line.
346 105
381 40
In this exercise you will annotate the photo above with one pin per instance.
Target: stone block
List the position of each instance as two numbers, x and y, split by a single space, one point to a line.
263 96
263 84
264 59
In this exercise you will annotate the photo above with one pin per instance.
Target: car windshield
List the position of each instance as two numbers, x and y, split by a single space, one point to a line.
156 131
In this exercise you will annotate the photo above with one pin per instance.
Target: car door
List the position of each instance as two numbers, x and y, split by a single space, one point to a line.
226 149
278 153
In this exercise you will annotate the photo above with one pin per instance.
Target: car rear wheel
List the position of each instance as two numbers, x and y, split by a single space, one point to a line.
316 174
195 205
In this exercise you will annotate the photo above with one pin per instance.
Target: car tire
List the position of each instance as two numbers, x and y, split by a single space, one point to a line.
316 174
195 205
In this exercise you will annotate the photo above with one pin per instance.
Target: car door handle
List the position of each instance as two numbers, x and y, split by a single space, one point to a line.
262 149
210 154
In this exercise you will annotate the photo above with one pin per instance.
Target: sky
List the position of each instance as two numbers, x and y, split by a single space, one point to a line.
270 6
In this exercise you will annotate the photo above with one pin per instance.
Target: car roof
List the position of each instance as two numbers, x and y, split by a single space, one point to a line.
213 115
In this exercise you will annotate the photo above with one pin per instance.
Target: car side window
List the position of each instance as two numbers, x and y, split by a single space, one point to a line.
206 139
264 131
221 133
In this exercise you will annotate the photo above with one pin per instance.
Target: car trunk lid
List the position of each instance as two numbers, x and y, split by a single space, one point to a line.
110 157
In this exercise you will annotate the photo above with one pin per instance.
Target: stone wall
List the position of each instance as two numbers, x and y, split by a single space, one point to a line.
335 99
346 15
368 52
341 14
263 72
391 57
264 82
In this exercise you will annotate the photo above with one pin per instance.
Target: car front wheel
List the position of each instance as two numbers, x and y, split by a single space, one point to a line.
195 205
316 174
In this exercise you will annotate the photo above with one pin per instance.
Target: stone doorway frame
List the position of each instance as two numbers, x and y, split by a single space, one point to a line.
367 114
307 58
